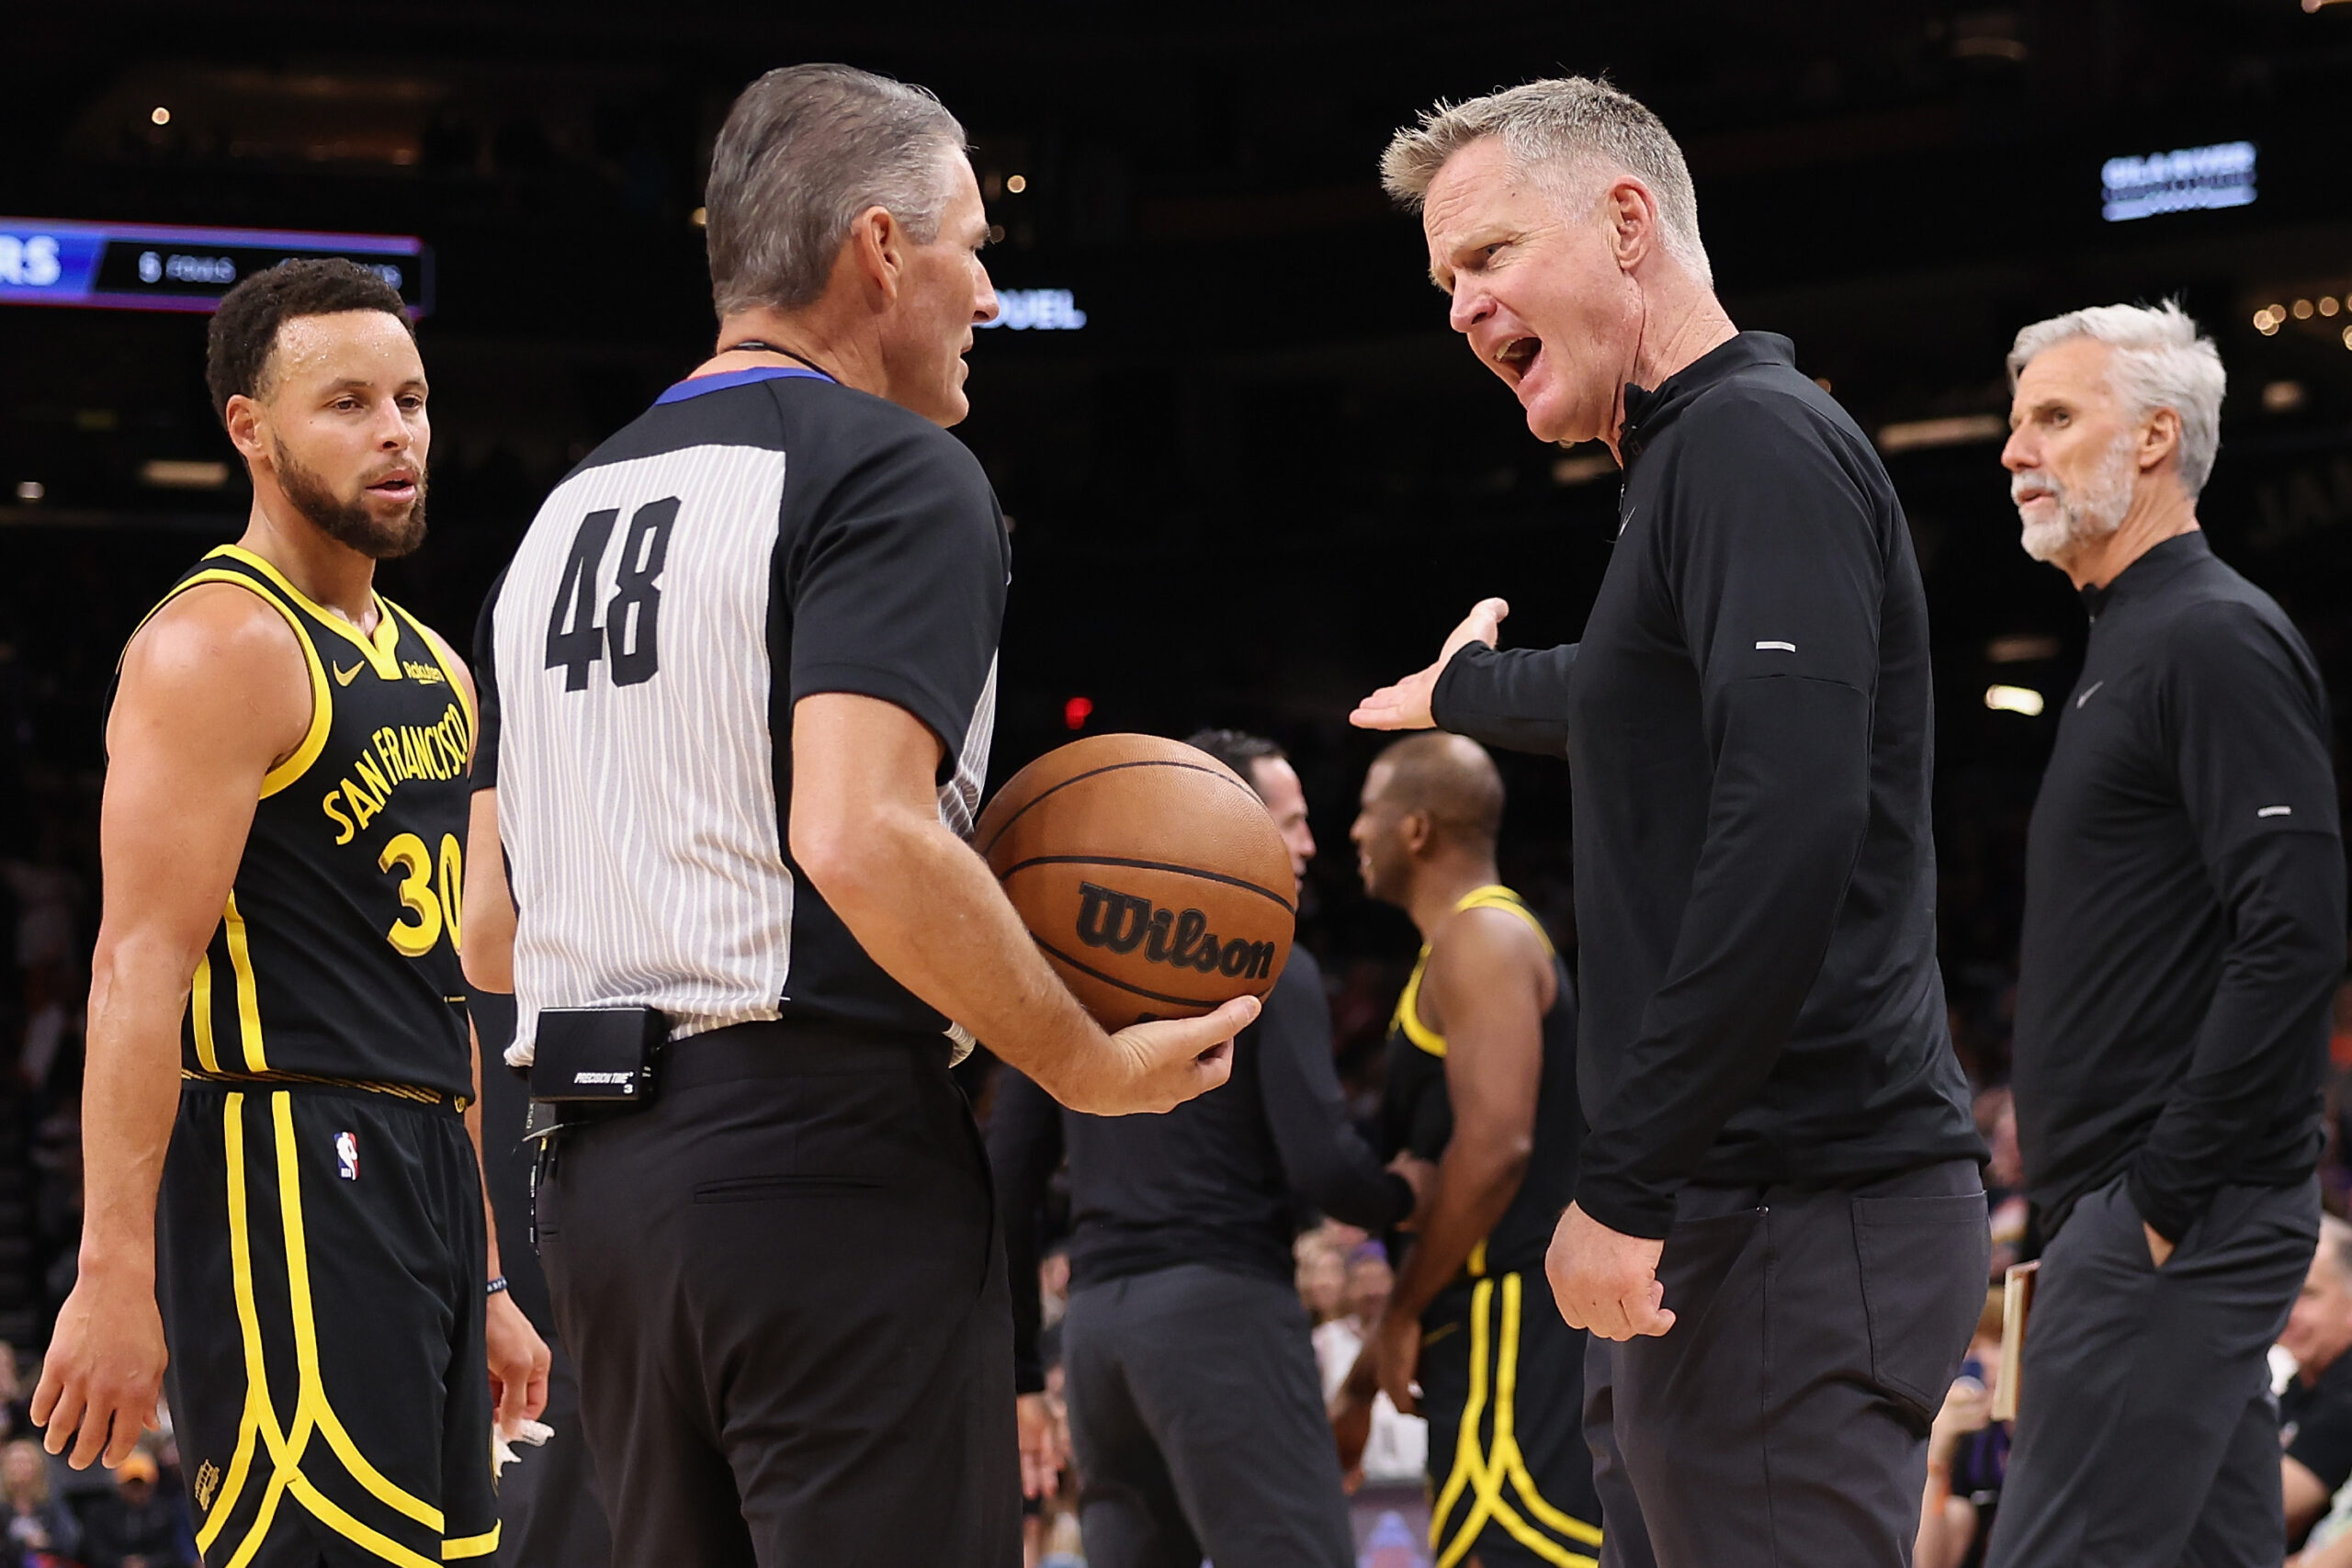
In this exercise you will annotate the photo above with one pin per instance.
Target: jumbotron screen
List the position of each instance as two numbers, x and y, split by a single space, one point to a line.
159 266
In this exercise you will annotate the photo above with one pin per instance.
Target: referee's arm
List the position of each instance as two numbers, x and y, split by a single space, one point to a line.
865 829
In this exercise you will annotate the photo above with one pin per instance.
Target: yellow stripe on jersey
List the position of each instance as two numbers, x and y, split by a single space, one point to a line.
314 740
471 1546
199 1014
380 649
241 960
1495 896
1483 1474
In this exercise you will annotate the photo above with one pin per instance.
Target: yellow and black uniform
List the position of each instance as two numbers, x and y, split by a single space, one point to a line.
1501 1375
320 1227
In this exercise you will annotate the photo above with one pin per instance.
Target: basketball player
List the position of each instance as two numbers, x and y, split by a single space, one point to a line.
2183 939
1481 1080
1779 1132
277 1030
739 695
1196 1406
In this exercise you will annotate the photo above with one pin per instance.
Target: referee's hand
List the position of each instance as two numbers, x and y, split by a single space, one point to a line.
1159 1065
1406 705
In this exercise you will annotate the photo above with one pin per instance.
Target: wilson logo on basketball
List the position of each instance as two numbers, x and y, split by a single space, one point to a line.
1123 922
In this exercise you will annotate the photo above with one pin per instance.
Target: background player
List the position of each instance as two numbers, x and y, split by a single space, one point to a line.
277 1000
740 692
1194 1401
1481 1080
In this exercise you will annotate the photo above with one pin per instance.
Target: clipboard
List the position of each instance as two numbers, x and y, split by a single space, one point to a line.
2017 1305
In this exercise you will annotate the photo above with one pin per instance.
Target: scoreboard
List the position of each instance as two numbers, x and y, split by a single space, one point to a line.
159 266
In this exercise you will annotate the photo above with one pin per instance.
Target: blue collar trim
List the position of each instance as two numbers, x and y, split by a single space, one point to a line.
696 386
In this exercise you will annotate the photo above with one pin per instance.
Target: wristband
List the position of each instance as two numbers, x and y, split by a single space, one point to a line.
495 1286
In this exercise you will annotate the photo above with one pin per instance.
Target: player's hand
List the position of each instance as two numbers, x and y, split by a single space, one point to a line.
1420 1175
1041 1446
1604 1281
1351 1414
1159 1065
519 1365
104 1371
1406 705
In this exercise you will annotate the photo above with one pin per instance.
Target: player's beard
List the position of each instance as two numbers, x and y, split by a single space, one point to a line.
2084 514
348 522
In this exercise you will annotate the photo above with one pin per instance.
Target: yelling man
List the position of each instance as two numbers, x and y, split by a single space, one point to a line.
1779 1131
2184 934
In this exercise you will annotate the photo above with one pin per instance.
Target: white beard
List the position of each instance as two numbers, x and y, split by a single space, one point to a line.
2091 512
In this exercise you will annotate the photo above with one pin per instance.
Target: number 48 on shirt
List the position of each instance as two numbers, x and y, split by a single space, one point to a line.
631 626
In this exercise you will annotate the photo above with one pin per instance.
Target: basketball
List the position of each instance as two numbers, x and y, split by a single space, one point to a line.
1149 872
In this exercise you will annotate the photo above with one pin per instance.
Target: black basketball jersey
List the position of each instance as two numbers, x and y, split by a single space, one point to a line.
336 956
1416 1114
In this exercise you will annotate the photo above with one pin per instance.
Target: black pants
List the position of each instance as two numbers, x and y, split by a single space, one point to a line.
1197 1416
786 1294
2145 1430
1783 1419
320 1280
548 1506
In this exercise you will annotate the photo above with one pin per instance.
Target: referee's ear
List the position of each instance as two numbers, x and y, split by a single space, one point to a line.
875 254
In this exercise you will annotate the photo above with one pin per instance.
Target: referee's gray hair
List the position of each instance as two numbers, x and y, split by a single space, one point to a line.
2161 361
805 149
1573 124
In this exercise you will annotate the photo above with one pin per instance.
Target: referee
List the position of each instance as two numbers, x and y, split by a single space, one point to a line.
2184 934
1195 1407
1779 1132
743 672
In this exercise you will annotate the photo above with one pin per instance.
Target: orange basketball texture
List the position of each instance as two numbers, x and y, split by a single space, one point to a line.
1149 872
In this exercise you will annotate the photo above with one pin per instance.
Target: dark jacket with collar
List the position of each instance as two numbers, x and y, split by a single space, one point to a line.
1749 723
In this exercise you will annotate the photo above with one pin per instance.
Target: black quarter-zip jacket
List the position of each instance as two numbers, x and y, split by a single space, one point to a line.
2184 902
1748 724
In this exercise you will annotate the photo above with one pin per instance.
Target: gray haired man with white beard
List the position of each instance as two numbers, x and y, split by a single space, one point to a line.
2183 931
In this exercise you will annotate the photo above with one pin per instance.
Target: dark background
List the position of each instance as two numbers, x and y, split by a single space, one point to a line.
1264 477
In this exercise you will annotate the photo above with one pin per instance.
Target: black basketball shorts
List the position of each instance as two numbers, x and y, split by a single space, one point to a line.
320 1270
1502 1385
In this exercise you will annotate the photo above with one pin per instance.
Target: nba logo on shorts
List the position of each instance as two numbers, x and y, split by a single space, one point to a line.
346 1156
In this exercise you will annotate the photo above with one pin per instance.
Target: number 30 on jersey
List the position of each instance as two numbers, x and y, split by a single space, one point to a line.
631 630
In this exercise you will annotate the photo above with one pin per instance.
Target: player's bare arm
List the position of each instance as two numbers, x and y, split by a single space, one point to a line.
213 695
865 828
1489 983
518 1356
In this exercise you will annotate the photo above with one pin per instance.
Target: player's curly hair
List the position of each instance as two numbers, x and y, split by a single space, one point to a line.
245 329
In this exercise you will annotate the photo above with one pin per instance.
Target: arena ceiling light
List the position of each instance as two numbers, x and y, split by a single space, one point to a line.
1958 430
2014 699
164 267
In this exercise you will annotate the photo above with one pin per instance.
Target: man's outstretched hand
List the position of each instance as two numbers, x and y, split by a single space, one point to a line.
1406 705
1604 1281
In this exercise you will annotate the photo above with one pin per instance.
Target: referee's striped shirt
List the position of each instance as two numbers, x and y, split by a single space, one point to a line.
749 540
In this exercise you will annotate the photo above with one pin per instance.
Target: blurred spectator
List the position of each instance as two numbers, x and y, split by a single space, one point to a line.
42 1532
1968 1454
135 1526
1322 1279
2315 1410
1399 1449
1997 1123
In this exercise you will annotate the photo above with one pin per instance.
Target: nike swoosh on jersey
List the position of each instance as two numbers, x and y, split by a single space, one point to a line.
344 677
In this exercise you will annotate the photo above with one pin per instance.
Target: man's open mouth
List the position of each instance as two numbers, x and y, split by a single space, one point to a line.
1517 356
